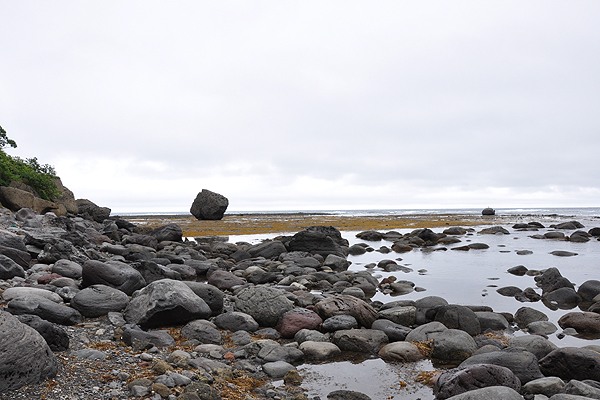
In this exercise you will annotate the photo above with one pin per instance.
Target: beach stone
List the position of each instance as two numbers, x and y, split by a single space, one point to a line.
356 250
579 237
202 331
68 269
159 338
588 290
426 332
336 263
509 291
519 270
521 362
453 345
347 395
167 233
459 317
308 335
578 388
90 210
264 303
395 332
165 302
474 377
112 273
21 257
319 351
268 249
563 298
25 357
347 305
360 340
492 321
571 225
280 353
152 271
538 345
10 269
488 211
98 300
489 393
210 294
370 236
541 328
16 292
297 319
424 305
582 322
572 363
55 336
277 369
236 321
548 386
563 253
209 205
493 230
405 316
401 351
45 309
320 240
526 315
224 280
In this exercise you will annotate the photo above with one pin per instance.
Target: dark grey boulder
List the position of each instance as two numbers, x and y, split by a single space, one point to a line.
89 210
264 303
563 298
453 346
370 236
133 334
19 256
588 290
224 280
538 345
25 357
165 303
548 386
55 336
339 322
267 249
367 341
210 294
68 269
494 230
209 205
578 388
347 395
45 309
582 322
202 331
551 279
489 393
474 377
98 300
426 306
572 363
277 369
10 269
459 317
151 271
308 335
521 362
488 211
169 232
236 321
426 332
280 353
492 321
347 305
405 315
321 240
563 253
571 225
395 332
526 315
112 273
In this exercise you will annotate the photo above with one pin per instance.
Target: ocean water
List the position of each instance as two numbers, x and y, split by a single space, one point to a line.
461 277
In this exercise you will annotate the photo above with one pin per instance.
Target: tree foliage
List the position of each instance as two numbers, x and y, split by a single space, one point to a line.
29 171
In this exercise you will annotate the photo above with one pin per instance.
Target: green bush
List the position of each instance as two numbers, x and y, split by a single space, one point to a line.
29 171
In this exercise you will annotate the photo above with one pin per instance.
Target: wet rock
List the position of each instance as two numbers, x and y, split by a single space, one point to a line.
202 331
405 316
112 273
356 250
395 332
424 305
45 309
474 377
572 363
265 304
453 345
541 328
526 315
25 358
582 322
224 280
563 253
55 336
519 270
492 321
347 395
425 332
165 303
547 386
455 230
360 340
370 236
488 211
459 317
579 237
319 351
321 240
571 225
98 300
209 205
564 298
347 305
493 230
521 362
509 291
401 352
489 393
588 290
236 321
297 319
478 246
537 345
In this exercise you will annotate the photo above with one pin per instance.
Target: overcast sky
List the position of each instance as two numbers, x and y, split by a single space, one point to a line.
308 104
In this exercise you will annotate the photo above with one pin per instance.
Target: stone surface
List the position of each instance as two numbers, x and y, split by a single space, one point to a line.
235 321
360 340
265 304
319 351
25 357
489 393
401 352
99 300
112 273
349 305
582 322
169 232
209 205
572 363
202 331
297 319
521 362
165 302
535 344
453 346
395 332
474 377
459 317
548 386
45 309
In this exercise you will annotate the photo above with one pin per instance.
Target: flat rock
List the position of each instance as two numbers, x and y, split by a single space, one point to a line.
401 352
98 300
521 362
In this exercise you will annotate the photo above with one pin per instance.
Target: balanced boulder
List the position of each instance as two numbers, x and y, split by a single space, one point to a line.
209 205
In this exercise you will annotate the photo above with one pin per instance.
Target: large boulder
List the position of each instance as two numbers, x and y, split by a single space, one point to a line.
521 362
44 308
453 346
99 300
56 337
90 210
572 363
10 269
165 302
14 199
112 273
582 322
264 303
367 341
169 232
25 358
209 205
459 317
347 305
474 377
321 240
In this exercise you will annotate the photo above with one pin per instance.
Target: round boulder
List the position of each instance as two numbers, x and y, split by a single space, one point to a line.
265 304
474 377
297 319
99 300
347 305
209 205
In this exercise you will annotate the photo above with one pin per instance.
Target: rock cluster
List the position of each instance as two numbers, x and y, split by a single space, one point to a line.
200 313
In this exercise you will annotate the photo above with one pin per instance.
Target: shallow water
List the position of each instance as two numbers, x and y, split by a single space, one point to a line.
461 277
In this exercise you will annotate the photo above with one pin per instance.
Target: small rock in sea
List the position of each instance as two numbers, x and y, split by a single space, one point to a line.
563 253
488 211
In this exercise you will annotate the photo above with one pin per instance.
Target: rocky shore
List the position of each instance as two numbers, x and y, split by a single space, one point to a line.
102 308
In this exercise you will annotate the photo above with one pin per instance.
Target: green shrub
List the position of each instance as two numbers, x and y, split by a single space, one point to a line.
29 171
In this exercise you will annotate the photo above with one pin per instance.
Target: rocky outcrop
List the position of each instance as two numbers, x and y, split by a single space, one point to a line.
209 205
